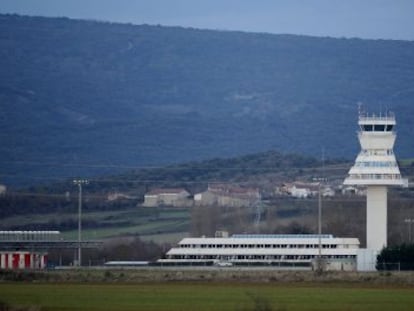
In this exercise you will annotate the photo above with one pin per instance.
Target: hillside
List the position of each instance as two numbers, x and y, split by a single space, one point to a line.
86 98
55 207
261 169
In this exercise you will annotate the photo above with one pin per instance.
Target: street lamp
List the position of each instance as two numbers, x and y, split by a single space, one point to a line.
409 221
319 180
80 182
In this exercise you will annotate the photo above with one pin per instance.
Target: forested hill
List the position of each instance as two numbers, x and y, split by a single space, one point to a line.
85 97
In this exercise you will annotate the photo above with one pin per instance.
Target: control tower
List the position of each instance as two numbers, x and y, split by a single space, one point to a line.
376 168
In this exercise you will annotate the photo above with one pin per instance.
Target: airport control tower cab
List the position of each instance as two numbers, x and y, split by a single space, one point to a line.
376 168
376 164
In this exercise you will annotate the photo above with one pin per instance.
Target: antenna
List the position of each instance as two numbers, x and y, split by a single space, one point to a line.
359 109
323 162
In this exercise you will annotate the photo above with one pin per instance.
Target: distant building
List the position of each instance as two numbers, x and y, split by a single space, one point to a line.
304 190
352 190
327 192
299 189
227 196
301 193
177 197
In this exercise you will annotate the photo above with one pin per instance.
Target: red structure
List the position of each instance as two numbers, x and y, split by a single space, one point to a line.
29 249
23 260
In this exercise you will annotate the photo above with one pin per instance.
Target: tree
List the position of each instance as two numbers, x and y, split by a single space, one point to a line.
401 256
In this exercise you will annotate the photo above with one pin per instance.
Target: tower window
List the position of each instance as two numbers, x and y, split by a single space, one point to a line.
379 128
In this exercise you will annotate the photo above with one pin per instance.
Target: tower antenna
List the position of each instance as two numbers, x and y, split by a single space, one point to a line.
359 109
323 162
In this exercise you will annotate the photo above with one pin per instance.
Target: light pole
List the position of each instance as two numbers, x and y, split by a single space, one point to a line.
80 182
319 180
409 221
320 220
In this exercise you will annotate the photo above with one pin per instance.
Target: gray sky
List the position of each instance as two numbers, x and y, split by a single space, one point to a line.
385 19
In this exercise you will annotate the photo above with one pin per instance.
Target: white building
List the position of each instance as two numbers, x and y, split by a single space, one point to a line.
303 190
352 190
376 168
292 250
227 196
327 192
301 193
167 196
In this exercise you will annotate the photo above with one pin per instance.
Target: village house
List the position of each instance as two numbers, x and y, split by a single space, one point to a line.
301 193
352 190
303 190
327 192
227 196
299 189
176 197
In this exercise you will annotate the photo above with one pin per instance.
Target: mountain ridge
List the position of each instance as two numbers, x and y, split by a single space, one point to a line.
84 92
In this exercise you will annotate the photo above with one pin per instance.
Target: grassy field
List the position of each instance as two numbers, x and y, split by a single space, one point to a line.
205 296
160 227
148 223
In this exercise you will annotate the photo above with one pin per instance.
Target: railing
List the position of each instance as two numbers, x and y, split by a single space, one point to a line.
389 117
29 235
375 177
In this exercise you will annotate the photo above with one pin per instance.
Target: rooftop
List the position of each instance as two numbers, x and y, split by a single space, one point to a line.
281 236
166 191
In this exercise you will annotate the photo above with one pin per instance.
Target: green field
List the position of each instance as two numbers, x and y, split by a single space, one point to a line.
156 224
159 227
205 296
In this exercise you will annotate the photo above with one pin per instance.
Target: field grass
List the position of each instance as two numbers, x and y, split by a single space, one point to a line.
155 223
149 228
206 296
161 238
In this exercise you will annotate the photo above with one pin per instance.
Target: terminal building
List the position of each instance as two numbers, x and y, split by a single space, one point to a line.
283 250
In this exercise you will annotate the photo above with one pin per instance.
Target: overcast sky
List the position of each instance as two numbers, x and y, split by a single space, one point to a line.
385 19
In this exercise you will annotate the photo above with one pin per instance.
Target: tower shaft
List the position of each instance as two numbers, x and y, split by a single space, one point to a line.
376 217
